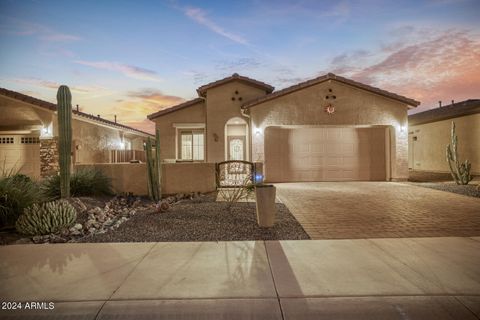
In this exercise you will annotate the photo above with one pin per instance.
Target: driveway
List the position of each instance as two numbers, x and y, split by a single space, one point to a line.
355 210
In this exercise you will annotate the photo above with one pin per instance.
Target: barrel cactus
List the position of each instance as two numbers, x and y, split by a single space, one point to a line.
46 218
64 112
460 171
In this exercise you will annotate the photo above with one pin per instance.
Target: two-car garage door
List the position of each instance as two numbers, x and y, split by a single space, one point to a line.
20 154
325 154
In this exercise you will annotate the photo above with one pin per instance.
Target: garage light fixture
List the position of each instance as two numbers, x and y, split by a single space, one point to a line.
46 131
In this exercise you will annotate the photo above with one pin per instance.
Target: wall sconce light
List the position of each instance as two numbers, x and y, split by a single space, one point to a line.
122 145
258 178
215 137
258 131
46 131
402 129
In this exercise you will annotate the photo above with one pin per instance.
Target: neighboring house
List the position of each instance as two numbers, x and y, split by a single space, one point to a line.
429 134
29 135
326 129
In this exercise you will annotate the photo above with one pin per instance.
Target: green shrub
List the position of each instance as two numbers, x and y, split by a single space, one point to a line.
46 218
84 182
16 193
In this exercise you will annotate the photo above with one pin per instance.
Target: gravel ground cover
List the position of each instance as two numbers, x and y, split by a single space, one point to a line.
203 220
470 190
199 218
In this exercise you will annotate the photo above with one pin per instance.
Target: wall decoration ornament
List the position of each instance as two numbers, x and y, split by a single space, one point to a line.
330 109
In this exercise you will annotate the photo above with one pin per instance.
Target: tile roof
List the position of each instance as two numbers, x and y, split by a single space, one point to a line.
174 108
202 91
330 76
53 107
451 111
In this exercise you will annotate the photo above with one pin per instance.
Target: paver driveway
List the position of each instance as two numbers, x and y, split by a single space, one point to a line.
352 210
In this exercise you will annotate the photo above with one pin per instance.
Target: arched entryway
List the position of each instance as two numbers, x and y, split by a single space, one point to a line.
236 139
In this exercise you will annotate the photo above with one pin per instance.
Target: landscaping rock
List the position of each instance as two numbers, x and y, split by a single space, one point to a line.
78 204
201 219
162 206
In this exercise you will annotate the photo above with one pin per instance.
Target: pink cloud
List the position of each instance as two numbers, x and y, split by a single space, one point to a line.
128 70
45 33
441 66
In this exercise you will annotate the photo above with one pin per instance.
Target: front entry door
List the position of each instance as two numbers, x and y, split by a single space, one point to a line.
236 148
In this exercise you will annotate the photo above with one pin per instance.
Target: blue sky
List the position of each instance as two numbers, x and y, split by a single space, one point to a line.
132 58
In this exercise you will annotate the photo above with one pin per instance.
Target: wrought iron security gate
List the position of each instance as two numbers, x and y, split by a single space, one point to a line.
234 173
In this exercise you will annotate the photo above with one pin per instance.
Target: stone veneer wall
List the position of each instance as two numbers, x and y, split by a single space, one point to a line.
48 157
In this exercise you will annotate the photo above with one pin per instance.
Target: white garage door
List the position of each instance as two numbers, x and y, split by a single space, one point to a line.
20 154
324 154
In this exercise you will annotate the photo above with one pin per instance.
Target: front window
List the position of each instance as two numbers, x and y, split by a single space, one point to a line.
191 145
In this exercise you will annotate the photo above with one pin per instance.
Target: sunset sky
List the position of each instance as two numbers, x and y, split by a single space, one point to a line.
132 58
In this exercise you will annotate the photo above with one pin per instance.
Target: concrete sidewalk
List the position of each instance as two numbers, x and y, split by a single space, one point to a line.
415 278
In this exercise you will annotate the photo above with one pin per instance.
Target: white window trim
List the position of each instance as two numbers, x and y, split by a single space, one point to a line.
188 126
194 125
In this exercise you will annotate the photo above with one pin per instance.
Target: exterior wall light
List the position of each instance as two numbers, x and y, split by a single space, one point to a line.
402 129
258 131
46 131
258 178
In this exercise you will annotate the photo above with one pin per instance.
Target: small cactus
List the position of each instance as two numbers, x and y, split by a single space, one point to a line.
64 112
153 170
46 218
158 164
460 171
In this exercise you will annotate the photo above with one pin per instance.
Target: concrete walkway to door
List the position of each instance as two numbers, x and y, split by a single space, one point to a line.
359 210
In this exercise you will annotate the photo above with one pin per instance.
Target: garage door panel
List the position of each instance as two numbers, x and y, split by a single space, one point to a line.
317 148
325 154
317 161
21 157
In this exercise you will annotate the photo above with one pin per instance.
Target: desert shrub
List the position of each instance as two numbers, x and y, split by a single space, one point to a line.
46 218
16 193
84 182
235 194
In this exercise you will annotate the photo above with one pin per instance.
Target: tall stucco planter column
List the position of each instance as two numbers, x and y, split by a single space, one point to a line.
48 157
265 203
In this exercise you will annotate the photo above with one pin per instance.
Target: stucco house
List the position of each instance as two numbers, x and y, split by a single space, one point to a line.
326 129
29 131
429 134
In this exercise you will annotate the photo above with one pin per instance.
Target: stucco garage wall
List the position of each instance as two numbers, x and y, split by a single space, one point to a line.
353 107
95 141
191 114
428 152
176 177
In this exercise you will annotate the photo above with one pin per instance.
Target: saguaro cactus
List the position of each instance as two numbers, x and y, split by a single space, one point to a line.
151 172
64 112
460 171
